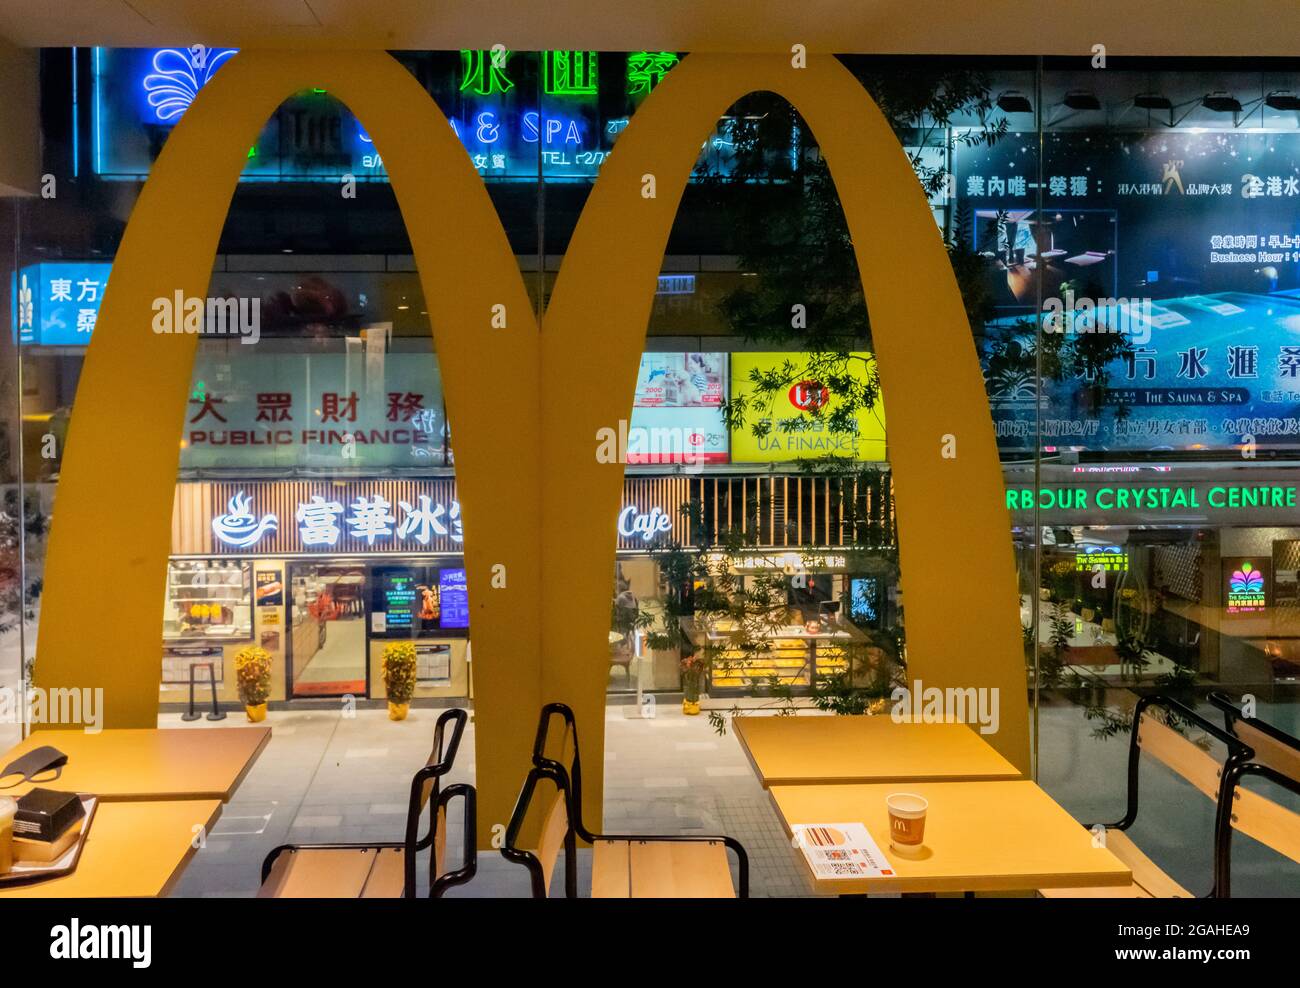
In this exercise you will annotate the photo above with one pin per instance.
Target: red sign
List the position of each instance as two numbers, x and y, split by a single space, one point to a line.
808 396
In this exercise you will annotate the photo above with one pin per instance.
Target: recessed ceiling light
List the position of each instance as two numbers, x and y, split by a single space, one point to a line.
1221 103
1014 102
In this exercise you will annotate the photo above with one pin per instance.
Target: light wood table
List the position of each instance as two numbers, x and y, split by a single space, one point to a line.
819 750
148 763
132 850
979 837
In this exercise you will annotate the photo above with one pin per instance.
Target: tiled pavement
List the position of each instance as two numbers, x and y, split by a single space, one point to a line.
324 777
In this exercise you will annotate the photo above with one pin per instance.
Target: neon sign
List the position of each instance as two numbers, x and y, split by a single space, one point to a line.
239 527
483 71
1245 590
1110 559
177 77
646 69
1154 498
633 523
569 73
371 517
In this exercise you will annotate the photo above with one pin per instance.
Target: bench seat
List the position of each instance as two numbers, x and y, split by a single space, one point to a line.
660 869
1149 880
335 873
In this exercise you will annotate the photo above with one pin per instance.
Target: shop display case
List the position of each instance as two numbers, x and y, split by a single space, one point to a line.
208 606
208 600
796 657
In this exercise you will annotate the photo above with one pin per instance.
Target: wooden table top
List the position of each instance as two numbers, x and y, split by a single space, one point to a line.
132 850
819 750
979 837
148 763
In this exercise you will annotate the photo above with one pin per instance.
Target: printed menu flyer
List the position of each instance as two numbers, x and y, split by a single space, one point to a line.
840 850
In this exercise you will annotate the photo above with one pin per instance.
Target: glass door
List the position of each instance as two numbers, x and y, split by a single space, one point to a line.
327 650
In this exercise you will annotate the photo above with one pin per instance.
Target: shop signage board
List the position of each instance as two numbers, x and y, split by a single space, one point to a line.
795 407
276 518
269 409
1111 503
1245 584
1110 559
510 131
56 303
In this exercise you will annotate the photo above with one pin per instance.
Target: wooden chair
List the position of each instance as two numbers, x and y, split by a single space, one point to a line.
1175 752
623 866
1273 748
386 870
1271 824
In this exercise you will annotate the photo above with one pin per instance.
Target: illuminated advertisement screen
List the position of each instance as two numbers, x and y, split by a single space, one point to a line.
398 589
453 589
1185 246
677 409
797 415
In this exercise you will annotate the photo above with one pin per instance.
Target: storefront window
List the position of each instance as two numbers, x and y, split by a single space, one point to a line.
1125 245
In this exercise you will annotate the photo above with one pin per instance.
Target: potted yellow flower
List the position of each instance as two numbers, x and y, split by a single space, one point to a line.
693 669
253 678
399 678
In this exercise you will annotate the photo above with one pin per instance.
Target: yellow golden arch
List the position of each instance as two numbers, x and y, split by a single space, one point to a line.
534 497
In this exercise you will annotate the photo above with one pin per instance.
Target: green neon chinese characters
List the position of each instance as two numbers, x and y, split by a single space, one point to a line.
483 71
645 69
569 73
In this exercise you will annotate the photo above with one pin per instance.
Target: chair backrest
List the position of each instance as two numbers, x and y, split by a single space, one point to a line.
1256 816
563 744
1273 747
1179 754
426 792
556 832
1158 739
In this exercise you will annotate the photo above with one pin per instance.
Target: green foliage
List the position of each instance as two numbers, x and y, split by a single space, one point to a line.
399 671
253 675
22 527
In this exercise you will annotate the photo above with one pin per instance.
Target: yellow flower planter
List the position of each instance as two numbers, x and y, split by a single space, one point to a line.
256 712
690 707
397 711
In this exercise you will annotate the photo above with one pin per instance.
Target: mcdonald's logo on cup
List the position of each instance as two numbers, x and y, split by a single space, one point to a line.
539 505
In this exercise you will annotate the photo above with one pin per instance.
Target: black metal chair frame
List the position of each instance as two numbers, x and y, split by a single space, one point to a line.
439 798
1232 713
569 781
1223 829
511 851
1238 753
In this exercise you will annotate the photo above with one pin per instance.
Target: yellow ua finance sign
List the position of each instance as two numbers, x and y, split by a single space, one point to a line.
799 414
538 506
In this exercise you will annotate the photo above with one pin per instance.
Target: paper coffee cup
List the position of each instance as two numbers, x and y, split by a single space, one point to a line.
906 819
